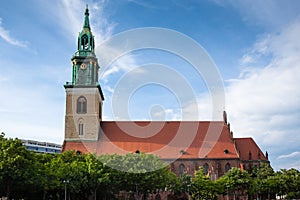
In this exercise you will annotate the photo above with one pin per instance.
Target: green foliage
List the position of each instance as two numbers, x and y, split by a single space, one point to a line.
28 175
236 181
263 178
285 183
203 187
133 163
139 173
288 183
15 165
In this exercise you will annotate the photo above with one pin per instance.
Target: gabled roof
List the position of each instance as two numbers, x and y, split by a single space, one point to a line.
248 149
168 140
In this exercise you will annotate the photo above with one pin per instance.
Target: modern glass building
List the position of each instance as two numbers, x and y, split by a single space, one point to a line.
42 147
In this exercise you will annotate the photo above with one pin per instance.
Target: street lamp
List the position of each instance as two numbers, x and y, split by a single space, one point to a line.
227 186
65 182
137 152
188 187
137 192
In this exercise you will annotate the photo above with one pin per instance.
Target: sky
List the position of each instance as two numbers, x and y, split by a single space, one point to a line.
254 45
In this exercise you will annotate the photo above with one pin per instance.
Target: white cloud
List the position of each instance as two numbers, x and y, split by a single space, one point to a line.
258 52
71 12
3 78
291 155
109 89
71 16
199 109
5 35
287 161
264 101
31 102
272 15
246 59
124 63
158 113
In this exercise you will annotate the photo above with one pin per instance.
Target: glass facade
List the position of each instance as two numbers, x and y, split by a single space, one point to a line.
41 147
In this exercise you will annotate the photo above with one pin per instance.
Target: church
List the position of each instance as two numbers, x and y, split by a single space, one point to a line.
185 145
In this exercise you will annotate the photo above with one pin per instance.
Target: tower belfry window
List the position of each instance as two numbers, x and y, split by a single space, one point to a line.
84 42
81 106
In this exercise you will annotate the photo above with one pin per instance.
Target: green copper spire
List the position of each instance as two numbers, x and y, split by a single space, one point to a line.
85 62
86 18
86 38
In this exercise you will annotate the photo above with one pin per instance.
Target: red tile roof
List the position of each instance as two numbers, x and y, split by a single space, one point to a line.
81 146
168 140
248 146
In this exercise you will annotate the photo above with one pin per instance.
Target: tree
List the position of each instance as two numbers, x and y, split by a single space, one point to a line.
99 175
16 166
202 186
46 180
72 173
263 181
236 181
139 174
289 183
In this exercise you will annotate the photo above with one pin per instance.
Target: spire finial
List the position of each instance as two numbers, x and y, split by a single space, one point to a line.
86 10
86 18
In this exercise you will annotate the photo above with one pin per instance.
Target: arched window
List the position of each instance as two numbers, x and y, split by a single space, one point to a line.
181 169
227 167
80 128
81 105
84 42
205 166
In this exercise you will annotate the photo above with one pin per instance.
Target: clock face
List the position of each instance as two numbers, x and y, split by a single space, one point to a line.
83 66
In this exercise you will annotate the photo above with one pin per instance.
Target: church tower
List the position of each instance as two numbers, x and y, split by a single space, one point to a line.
84 96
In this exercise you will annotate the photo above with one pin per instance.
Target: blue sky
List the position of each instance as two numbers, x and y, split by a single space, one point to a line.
254 44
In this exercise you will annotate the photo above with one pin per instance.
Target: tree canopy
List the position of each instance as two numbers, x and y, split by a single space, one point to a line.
28 175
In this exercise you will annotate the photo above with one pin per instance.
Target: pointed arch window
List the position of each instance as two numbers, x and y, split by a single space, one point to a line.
81 105
84 42
80 128
227 167
181 169
205 166
250 155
